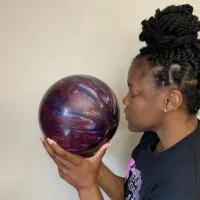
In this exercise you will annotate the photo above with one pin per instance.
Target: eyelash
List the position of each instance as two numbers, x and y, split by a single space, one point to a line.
132 96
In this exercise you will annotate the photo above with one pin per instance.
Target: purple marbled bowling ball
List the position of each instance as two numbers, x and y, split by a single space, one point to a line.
79 112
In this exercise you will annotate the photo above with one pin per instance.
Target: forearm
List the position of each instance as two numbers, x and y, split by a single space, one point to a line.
92 193
111 184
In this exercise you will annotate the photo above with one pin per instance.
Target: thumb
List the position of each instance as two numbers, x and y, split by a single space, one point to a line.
101 152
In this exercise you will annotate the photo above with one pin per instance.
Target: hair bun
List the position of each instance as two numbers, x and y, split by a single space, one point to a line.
172 27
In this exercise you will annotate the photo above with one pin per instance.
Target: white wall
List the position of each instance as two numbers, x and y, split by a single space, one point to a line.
41 42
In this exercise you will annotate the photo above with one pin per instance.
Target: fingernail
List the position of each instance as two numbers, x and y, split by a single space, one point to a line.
50 141
109 144
42 140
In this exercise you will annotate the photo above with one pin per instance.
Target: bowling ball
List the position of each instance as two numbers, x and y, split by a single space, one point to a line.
79 112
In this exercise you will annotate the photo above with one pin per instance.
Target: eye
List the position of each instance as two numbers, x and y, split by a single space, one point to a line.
133 95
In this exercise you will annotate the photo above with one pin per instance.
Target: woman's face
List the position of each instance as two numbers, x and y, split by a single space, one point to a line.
144 101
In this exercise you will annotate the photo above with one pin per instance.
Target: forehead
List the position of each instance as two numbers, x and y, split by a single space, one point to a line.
139 74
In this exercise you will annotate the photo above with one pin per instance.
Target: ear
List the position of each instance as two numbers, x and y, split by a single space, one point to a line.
173 100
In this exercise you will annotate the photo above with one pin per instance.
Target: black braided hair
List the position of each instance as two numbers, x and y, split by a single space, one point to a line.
172 43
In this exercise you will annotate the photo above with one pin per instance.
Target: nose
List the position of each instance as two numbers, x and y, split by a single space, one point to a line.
125 100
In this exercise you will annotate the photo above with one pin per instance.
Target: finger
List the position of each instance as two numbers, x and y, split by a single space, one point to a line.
47 147
64 174
101 152
70 157
63 163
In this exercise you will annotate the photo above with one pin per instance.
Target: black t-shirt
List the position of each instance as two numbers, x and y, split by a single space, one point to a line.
170 175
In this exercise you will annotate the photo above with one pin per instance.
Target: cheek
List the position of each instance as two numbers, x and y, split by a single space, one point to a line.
136 108
146 109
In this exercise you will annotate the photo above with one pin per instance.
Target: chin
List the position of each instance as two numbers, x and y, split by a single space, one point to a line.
134 128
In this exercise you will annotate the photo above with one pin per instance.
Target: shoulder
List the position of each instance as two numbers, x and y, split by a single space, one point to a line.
179 185
181 178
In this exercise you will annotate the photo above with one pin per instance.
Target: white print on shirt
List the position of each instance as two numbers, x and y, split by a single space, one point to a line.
133 176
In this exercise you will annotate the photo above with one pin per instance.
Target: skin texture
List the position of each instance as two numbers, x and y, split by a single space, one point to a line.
147 108
80 172
158 109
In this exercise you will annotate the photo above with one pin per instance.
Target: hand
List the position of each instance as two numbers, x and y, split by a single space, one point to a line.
80 172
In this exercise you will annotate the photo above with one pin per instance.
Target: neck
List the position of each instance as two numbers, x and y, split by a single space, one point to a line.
174 131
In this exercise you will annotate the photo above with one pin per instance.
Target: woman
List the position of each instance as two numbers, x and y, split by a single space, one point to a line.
162 101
